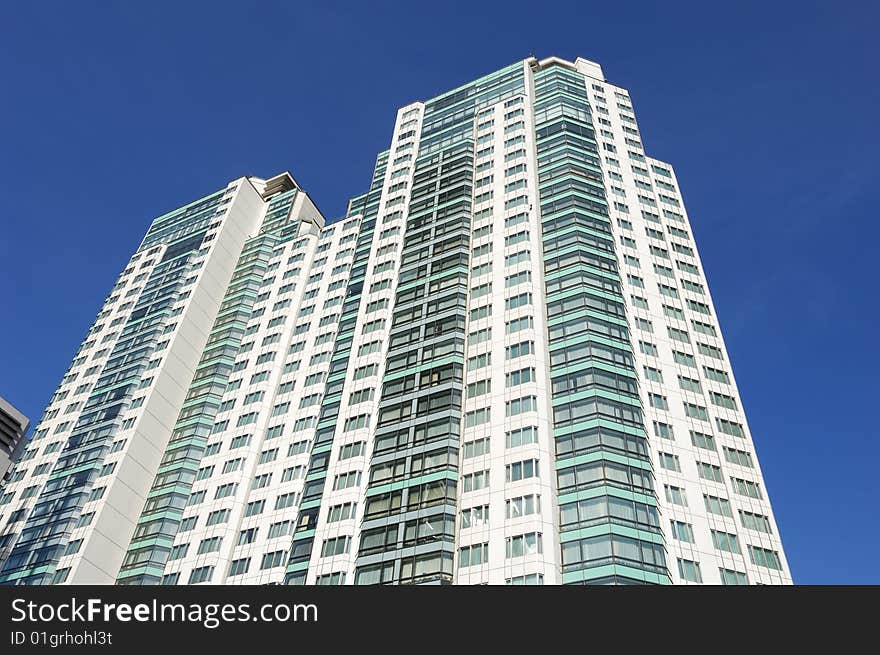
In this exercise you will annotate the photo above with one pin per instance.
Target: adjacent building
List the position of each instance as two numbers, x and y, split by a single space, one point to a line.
13 427
502 365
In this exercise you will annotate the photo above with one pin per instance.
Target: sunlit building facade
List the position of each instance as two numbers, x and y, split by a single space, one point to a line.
501 366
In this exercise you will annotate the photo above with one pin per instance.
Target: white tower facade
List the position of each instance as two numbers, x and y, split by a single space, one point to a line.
502 366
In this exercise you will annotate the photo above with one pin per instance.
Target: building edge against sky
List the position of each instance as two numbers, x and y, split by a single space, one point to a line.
502 366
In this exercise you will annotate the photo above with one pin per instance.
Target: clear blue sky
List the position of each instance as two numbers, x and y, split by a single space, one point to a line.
113 113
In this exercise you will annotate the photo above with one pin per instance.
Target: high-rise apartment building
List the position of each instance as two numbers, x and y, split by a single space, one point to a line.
502 366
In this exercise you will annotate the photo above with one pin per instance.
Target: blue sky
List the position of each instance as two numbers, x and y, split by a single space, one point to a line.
113 113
